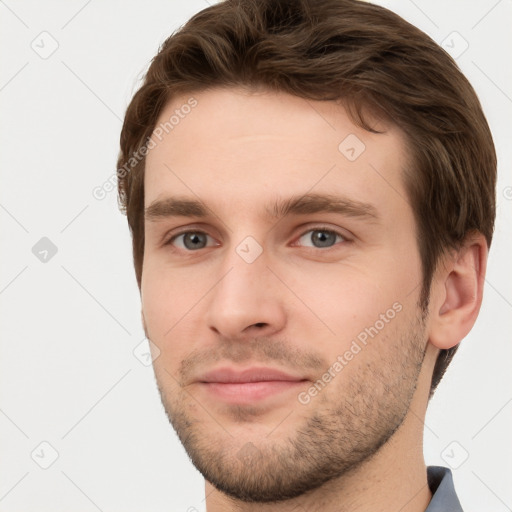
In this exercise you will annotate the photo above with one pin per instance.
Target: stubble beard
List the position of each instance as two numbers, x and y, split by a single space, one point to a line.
348 424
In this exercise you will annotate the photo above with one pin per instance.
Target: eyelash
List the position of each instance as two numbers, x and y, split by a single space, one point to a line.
324 229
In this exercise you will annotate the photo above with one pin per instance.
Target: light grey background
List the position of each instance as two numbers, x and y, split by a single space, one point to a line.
69 376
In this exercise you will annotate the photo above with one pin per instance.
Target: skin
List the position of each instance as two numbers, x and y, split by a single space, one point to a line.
357 443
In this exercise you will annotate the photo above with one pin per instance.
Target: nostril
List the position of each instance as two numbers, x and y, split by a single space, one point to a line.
260 324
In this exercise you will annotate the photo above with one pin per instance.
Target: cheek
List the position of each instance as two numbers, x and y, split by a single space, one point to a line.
354 299
172 307
164 296
166 289
154 301
165 319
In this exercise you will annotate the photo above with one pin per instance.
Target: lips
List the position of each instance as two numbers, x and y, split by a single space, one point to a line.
248 385
230 376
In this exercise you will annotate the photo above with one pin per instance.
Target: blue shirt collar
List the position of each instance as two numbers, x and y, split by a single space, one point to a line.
444 498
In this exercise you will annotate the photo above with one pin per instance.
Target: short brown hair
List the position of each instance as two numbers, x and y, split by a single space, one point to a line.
334 50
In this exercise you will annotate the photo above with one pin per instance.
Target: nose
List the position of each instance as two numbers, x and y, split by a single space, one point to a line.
246 302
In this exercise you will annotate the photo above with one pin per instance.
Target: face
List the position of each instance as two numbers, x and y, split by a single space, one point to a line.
280 284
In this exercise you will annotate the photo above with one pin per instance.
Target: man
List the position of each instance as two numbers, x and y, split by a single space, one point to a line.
310 191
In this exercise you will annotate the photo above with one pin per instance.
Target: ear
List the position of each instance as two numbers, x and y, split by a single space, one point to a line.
457 291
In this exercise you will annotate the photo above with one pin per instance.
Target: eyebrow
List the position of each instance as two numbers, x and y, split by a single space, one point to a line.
295 205
319 203
174 207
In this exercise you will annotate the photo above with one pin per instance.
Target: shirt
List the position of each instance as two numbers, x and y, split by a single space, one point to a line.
444 498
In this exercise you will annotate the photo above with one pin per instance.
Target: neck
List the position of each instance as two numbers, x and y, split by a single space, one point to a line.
395 478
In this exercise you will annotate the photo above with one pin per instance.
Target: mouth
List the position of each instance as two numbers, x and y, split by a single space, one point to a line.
249 385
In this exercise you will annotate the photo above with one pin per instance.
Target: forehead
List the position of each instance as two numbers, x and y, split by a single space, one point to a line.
238 145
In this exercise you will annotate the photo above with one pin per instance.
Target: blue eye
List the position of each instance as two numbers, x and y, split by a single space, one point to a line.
191 240
320 238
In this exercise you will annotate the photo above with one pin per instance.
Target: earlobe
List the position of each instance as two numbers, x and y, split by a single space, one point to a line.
458 290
